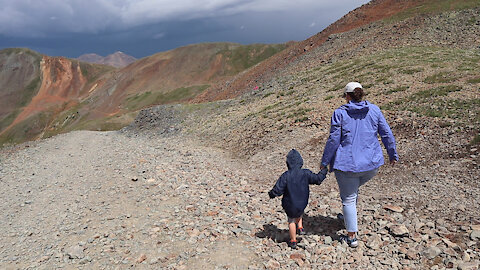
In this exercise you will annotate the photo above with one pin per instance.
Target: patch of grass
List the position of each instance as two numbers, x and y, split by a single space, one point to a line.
382 68
367 86
337 87
472 21
99 124
338 68
289 93
435 92
8 119
180 94
26 130
474 80
92 72
441 77
299 112
455 109
476 139
143 100
382 79
410 71
329 97
270 107
387 82
432 103
30 91
302 119
397 89
243 57
267 94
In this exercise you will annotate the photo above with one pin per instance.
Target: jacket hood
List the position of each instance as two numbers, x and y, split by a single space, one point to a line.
356 107
294 160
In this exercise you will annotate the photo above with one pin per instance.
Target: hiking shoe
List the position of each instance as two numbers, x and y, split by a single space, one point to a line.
351 242
301 231
340 216
292 244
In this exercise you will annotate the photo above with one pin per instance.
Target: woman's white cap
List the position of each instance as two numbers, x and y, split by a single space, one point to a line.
352 86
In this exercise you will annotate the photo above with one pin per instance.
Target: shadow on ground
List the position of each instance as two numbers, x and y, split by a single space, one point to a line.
319 225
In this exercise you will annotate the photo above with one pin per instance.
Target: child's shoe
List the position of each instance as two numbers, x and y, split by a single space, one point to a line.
292 244
301 231
351 242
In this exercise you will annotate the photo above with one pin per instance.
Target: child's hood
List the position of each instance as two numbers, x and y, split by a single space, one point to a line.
294 160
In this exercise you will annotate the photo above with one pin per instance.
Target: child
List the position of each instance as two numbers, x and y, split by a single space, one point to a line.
293 184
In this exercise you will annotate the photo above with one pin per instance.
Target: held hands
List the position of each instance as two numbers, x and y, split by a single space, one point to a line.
323 171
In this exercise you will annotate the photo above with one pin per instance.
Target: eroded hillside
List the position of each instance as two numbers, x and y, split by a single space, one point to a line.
36 88
59 95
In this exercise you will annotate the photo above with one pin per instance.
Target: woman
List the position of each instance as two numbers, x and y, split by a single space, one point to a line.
353 151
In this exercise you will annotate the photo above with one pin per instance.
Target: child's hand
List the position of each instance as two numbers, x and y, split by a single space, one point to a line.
322 174
270 194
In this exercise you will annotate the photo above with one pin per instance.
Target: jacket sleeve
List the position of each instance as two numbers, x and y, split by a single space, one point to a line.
333 140
280 186
387 137
316 179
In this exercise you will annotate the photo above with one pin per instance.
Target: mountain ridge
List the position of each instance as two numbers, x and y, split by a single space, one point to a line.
117 59
103 92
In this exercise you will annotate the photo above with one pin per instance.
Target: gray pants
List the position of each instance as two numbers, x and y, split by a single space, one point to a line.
349 183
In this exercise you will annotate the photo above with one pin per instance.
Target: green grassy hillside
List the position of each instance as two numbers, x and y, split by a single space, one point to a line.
19 81
435 7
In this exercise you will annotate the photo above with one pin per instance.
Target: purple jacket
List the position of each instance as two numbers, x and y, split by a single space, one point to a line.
353 143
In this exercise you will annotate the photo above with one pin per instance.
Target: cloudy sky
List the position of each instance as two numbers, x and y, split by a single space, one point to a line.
144 27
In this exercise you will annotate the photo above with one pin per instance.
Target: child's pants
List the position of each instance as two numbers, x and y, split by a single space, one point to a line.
348 183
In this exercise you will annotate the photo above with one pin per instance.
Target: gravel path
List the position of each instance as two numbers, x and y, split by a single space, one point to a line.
113 200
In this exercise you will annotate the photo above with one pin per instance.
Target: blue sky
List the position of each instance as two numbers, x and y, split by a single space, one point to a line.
143 27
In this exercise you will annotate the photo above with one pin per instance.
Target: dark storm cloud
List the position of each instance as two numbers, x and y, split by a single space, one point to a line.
143 27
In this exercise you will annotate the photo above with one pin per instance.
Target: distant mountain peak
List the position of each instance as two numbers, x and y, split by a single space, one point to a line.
117 59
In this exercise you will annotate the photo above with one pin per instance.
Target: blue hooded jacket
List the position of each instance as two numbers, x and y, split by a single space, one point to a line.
353 144
293 184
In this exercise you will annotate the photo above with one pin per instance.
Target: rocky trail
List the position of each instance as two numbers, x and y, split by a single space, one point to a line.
120 200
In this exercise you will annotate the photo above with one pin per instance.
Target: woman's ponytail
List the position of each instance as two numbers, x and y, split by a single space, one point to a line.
356 95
